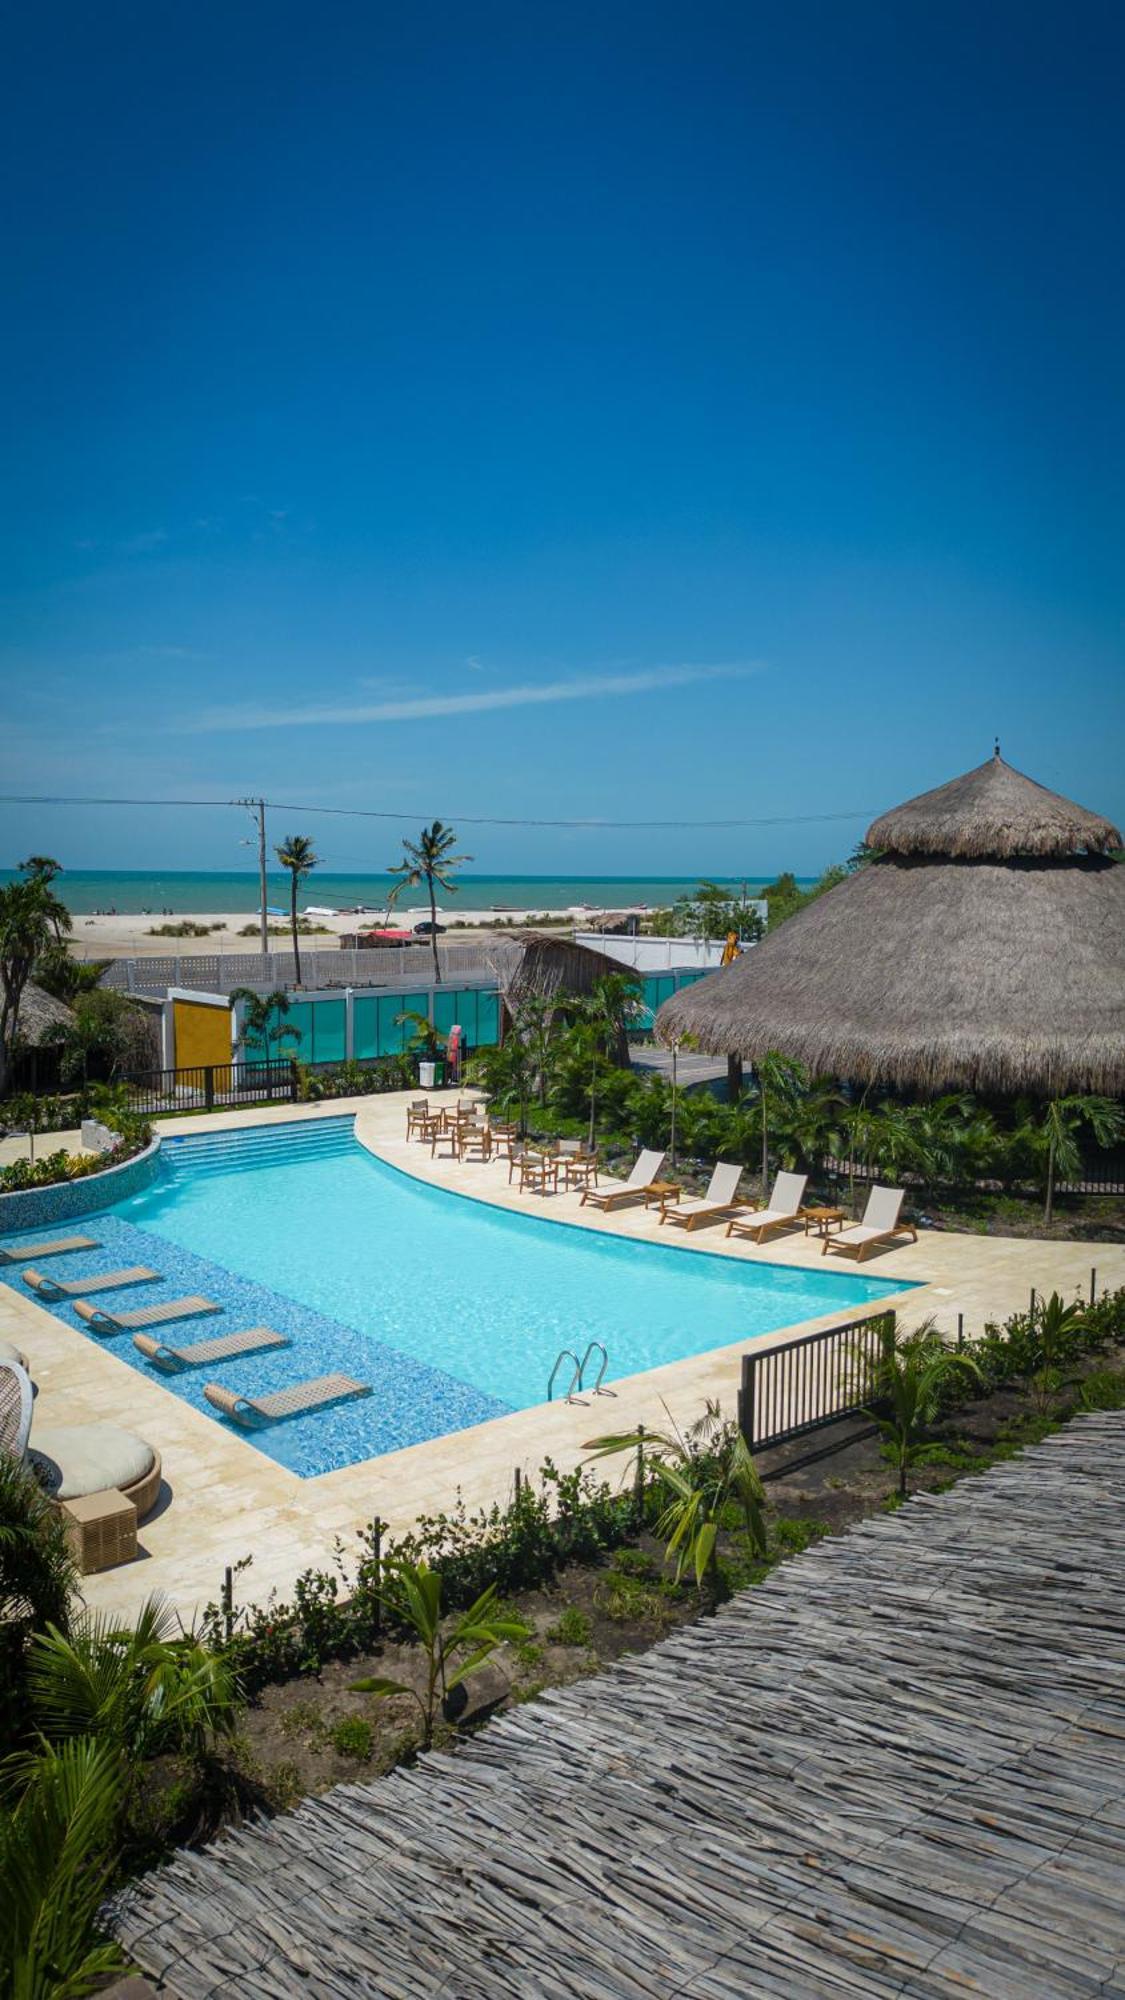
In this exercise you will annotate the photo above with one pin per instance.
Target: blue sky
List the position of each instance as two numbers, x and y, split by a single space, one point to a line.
617 411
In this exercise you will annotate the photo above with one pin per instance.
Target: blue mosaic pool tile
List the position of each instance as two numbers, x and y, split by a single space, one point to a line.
411 1402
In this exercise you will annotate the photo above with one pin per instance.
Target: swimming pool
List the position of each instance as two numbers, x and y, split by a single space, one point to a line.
453 1310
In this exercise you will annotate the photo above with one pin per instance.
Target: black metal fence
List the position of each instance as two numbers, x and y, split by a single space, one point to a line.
211 1087
789 1390
1100 1174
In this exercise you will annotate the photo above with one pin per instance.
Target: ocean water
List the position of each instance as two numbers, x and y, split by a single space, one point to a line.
131 891
453 1311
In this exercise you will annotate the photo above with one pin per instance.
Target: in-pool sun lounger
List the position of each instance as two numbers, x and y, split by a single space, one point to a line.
76 1288
296 1401
101 1320
59 1246
201 1353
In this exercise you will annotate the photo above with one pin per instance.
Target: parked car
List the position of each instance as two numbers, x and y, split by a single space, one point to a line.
429 930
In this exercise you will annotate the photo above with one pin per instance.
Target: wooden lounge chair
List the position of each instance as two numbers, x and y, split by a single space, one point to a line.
618 1194
296 1401
710 1207
202 1353
782 1211
54 1288
880 1226
58 1246
101 1320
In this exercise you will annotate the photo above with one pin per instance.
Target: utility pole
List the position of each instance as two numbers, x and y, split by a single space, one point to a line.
258 808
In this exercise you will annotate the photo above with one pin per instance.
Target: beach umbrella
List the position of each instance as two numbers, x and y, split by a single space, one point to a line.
983 947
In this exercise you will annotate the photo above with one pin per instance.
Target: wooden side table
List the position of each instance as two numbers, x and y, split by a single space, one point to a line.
824 1220
101 1529
662 1194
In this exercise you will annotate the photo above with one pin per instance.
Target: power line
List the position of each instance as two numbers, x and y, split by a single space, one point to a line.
463 819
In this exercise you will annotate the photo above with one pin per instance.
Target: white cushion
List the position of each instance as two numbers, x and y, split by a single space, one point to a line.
76 1459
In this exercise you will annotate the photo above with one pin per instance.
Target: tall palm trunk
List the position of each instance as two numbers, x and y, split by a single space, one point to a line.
293 927
433 930
765 1143
1049 1206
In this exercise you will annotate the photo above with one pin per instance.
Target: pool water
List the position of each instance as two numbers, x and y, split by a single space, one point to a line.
454 1311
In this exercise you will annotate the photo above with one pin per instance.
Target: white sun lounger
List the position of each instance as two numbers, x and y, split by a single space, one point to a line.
710 1207
782 1211
296 1401
101 1320
616 1194
54 1288
58 1246
880 1225
201 1353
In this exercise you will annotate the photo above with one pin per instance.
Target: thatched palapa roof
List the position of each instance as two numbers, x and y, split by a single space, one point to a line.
40 1011
984 947
992 814
555 967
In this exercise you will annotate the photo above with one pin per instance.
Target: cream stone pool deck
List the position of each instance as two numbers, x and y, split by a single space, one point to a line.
223 1499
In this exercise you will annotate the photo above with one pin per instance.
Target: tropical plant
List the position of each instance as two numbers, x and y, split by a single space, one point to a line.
142 1689
413 1597
915 1374
504 1073
707 1475
37 1579
58 1850
781 1079
1063 1120
423 1039
263 1025
107 1031
604 1012
1055 1327
298 855
429 860
32 919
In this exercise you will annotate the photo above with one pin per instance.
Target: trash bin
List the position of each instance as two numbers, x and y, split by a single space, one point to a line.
427 1074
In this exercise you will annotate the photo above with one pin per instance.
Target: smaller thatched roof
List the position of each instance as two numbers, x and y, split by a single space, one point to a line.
993 812
40 1011
552 965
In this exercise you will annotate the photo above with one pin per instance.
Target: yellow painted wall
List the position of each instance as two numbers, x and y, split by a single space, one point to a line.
202 1033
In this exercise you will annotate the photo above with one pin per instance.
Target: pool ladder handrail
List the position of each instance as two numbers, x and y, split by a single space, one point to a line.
577 1380
565 1354
595 1347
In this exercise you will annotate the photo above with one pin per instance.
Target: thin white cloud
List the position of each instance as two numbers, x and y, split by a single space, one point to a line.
143 545
593 687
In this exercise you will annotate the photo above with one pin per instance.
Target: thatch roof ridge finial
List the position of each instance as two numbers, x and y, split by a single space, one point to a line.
993 813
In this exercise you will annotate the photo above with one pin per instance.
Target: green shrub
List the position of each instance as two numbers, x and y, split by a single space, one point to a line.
567 1518
353 1736
571 1628
1104 1390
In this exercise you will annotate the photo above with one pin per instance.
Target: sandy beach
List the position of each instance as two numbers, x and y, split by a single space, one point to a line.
131 935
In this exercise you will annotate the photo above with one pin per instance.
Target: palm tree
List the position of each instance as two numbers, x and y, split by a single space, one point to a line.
913 1377
710 1482
780 1081
32 919
1062 1122
297 855
604 1011
263 1021
428 860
